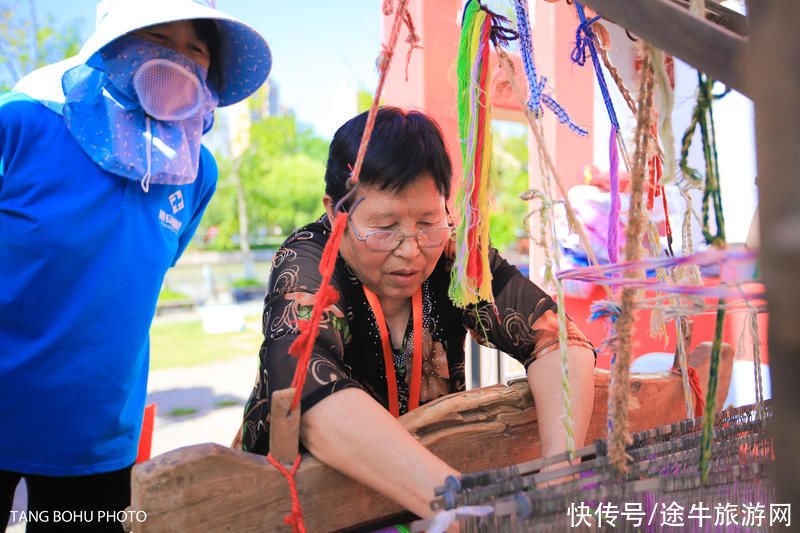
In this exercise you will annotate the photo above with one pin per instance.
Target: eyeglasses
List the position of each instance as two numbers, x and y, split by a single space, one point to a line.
388 240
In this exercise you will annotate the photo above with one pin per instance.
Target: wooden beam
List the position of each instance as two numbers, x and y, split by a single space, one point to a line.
707 46
284 435
773 68
723 16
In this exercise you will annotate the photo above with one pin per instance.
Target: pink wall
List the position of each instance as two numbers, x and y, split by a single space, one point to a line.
431 85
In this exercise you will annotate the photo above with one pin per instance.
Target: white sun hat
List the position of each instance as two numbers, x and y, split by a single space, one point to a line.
243 57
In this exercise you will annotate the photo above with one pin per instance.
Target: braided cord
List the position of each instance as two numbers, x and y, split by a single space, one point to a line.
537 86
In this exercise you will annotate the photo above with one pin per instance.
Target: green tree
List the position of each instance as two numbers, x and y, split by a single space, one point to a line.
282 176
363 100
26 45
510 160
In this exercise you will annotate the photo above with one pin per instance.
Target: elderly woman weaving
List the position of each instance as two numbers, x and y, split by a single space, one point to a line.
392 276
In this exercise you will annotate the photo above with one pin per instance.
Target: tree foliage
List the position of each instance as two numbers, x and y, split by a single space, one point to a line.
510 160
282 173
26 45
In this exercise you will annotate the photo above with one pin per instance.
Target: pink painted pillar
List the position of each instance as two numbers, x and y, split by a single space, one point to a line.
431 84
570 85
553 31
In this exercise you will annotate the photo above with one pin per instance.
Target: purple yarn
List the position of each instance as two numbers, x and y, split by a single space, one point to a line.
613 212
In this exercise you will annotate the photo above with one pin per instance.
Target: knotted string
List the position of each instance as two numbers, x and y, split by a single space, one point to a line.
694 383
703 117
536 85
326 295
470 278
585 38
295 518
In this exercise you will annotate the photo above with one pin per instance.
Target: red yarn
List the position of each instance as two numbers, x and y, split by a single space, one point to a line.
694 384
325 297
667 227
474 260
656 171
295 518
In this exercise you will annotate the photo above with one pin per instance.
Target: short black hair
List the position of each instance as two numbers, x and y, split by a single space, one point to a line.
403 145
206 30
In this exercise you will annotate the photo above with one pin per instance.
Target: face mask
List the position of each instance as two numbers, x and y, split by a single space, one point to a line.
168 91
139 110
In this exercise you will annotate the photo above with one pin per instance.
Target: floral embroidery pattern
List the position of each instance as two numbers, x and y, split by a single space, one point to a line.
348 351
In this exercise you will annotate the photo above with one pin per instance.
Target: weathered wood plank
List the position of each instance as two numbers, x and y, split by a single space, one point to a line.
775 73
284 435
707 46
723 16
208 487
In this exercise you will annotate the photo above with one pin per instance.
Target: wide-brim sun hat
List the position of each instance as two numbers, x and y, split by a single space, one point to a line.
244 59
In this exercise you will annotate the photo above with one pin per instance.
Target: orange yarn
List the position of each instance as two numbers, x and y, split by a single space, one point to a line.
325 297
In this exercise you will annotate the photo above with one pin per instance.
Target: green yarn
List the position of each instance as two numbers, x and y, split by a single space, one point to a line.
703 116
711 394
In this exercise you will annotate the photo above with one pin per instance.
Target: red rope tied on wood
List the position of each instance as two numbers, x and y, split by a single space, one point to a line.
295 518
694 384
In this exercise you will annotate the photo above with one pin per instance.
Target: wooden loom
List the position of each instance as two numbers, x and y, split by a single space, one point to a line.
209 487
662 474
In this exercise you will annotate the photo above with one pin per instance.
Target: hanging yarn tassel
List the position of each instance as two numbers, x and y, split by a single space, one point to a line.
711 395
295 518
704 118
471 278
610 311
585 38
534 83
666 102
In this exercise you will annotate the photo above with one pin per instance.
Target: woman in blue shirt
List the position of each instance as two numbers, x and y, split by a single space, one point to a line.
103 181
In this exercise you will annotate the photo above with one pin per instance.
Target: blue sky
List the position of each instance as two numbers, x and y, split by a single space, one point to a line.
322 50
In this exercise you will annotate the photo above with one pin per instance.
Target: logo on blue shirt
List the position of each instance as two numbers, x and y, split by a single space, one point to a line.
169 221
176 201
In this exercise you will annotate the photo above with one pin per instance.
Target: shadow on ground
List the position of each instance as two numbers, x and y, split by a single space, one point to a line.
191 402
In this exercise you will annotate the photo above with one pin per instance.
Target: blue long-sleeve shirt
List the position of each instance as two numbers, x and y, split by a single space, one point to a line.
83 254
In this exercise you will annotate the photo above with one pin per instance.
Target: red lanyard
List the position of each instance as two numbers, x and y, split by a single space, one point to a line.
388 360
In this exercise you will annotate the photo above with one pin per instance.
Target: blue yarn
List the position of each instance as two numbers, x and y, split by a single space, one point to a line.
537 86
584 37
612 311
605 309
